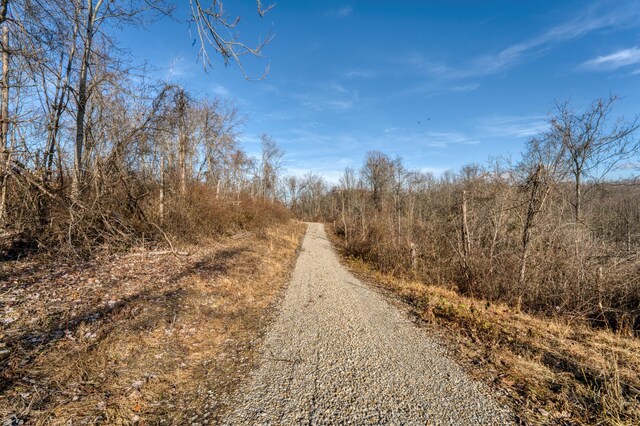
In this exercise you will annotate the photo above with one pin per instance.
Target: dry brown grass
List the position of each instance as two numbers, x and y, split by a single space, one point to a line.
148 340
551 371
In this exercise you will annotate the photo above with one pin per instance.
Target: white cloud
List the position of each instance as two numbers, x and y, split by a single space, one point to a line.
434 68
220 90
436 171
250 140
597 17
398 136
328 96
277 116
601 15
513 126
340 13
334 87
361 73
631 165
444 139
339 105
332 177
464 88
431 88
270 88
615 60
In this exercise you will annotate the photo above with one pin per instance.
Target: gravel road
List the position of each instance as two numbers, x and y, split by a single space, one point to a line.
338 353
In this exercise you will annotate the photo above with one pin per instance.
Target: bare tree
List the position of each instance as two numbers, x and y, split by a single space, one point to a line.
538 186
378 173
93 15
5 152
270 167
592 145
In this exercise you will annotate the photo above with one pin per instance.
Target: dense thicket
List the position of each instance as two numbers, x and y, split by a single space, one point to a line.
95 155
554 233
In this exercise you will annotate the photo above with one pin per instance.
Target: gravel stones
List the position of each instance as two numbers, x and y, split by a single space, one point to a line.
338 353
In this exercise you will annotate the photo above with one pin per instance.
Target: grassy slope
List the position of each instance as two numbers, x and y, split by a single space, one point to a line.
550 370
124 340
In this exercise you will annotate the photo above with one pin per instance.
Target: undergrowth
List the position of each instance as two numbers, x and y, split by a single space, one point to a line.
551 371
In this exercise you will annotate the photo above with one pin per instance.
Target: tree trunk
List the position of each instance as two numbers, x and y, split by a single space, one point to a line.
578 199
161 195
628 223
536 202
59 107
4 112
82 100
496 222
414 257
466 243
578 214
344 219
182 163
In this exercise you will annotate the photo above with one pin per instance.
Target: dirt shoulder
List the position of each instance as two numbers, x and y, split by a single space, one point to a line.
551 371
138 339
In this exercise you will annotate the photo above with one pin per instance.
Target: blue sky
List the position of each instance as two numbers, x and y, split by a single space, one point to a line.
439 83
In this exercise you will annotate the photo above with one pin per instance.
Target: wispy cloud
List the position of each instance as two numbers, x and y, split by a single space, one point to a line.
429 66
279 115
220 90
328 96
615 60
339 105
463 87
431 139
432 88
361 73
330 175
340 13
436 171
445 139
249 139
348 148
513 126
601 15
270 88
630 165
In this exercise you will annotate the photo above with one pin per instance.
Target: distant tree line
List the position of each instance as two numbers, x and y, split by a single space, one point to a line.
552 233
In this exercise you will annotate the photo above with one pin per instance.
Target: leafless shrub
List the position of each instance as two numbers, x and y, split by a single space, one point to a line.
94 156
520 233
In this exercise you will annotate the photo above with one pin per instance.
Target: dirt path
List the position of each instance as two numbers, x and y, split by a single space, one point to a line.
339 353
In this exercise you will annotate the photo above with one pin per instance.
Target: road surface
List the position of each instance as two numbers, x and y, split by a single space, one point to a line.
338 353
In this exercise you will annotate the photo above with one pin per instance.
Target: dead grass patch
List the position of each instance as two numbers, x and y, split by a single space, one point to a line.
550 370
149 340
